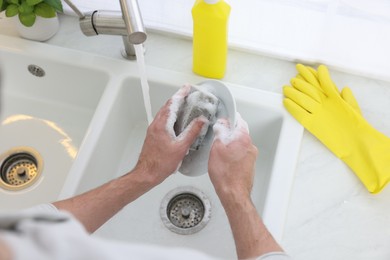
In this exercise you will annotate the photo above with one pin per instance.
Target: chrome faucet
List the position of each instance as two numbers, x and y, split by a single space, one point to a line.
127 23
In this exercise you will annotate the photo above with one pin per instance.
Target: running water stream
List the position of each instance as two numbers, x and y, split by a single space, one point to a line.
139 51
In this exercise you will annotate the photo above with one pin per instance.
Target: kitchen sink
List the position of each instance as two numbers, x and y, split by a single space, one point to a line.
273 131
86 118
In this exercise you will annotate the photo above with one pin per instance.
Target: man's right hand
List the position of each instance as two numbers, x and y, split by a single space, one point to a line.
232 159
231 169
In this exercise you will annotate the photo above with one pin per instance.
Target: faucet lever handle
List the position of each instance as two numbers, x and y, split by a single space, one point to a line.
75 9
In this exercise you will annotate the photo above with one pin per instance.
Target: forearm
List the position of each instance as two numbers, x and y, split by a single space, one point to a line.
160 156
5 252
251 236
97 206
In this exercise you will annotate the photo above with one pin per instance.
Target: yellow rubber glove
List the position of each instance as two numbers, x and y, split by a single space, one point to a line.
310 75
322 110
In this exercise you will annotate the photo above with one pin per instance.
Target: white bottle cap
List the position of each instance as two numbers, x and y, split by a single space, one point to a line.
211 2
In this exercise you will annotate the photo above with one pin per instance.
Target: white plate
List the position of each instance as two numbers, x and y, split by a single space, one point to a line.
196 162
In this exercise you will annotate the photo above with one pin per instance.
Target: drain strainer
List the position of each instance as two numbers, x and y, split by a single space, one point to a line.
20 168
185 210
36 70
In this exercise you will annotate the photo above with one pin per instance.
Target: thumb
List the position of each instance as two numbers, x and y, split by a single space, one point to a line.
193 130
347 95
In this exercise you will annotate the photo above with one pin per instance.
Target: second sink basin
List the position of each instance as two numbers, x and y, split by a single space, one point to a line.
47 103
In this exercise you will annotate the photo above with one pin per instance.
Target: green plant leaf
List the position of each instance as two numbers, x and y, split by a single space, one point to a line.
15 2
44 10
56 4
1 5
24 8
33 2
27 19
11 10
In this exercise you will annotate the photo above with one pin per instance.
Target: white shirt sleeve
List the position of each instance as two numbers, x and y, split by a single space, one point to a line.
42 208
274 256
43 232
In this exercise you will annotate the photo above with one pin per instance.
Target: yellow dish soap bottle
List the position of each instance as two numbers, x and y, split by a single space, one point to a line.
210 37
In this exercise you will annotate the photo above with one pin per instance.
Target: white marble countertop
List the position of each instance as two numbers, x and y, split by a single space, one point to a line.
331 215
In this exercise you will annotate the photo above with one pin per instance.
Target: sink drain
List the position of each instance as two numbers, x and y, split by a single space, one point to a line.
185 210
20 168
36 70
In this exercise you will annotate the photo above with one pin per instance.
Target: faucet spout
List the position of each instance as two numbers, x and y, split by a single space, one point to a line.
133 21
126 23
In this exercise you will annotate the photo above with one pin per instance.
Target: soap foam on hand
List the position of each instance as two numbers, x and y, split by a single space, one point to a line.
207 101
197 104
177 101
225 133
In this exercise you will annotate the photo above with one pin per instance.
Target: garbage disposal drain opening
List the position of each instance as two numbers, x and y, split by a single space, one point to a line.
185 210
36 70
20 168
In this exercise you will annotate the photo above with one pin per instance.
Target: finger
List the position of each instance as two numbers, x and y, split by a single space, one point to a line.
307 89
183 92
308 75
221 129
172 107
241 131
347 95
241 125
301 99
299 113
221 125
326 82
192 131
224 133
179 97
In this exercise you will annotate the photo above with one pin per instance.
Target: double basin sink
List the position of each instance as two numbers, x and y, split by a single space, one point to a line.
71 121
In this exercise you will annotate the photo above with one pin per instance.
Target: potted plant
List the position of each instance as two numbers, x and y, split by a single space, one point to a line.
36 19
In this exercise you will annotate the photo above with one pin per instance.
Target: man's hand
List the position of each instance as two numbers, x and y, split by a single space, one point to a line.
231 170
161 155
232 159
163 151
5 252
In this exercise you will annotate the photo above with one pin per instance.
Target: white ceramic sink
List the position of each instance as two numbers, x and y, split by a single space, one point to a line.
102 110
47 116
274 132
